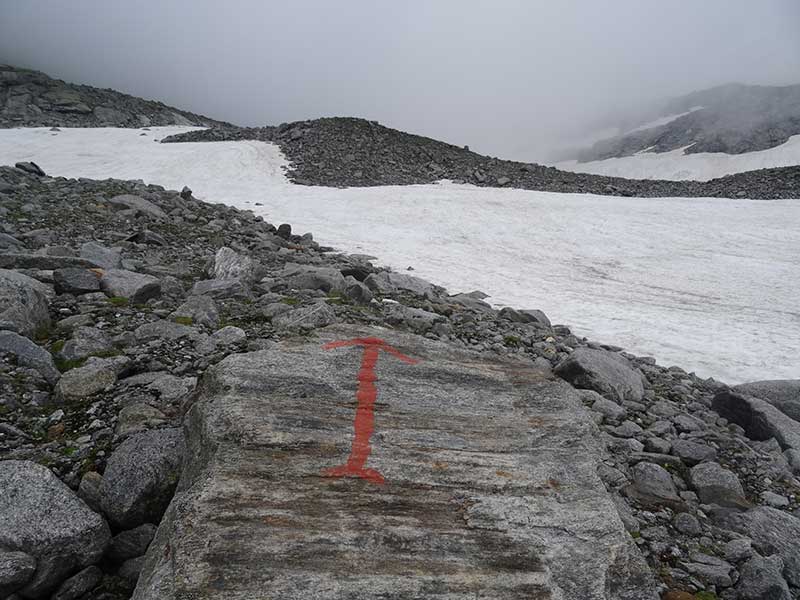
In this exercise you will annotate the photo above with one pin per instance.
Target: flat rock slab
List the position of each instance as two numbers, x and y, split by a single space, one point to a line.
479 481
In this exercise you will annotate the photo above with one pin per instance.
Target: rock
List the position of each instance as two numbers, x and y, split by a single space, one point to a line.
284 231
170 388
141 476
761 579
738 550
202 310
416 319
783 394
607 408
16 569
131 543
306 317
85 342
628 429
186 192
164 330
147 237
774 532
64 537
387 283
218 288
23 305
687 524
229 264
525 316
268 424
693 453
651 481
357 292
759 419
87 380
44 262
304 277
138 417
29 355
140 205
76 281
710 569
105 258
605 372
136 287
717 485
774 500
131 569
30 167
79 584
89 490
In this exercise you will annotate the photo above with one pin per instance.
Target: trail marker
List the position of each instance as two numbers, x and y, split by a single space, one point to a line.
364 422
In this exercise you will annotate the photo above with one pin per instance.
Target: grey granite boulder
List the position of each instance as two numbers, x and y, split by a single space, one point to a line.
783 394
760 419
41 516
716 485
653 483
85 341
131 543
416 319
229 264
87 380
525 316
306 317
76 281
16 569
79 584
106 258
306 277
387 283
29 355
479 480
138 288
145 207
607 373
141 476
23 304
761 578
202 310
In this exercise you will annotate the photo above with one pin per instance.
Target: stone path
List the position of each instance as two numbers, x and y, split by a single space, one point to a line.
478 481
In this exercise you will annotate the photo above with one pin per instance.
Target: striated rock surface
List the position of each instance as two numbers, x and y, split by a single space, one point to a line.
489 483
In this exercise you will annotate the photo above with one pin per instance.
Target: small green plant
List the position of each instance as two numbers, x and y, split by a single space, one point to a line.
118 301
57 346
65 365
290 301
511 340
705 595
184 320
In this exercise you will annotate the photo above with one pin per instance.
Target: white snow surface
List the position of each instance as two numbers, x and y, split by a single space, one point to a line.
711 285
676 165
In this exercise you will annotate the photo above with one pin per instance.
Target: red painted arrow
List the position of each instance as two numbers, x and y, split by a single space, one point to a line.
364 423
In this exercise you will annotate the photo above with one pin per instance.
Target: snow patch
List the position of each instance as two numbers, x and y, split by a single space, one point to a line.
708 284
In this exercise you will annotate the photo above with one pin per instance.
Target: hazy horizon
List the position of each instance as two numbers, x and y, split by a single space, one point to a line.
514 78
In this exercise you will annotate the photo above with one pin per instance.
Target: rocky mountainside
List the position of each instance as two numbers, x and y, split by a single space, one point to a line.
733 119
178 384
32 99
347 152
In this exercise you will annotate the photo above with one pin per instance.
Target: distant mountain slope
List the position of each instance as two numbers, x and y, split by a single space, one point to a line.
732 119
32 99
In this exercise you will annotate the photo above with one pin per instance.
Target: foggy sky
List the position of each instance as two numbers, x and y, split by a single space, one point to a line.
512 78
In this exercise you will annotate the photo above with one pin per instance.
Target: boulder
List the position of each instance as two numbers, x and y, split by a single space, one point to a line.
106 258
717 485
30 167
759 419
460 443
653 482
691 452
306 317
773 532
202 310
87 380
64 537
761 579
138 417
141 476
305 277
136 287
145 207
164 330
131 543
29 355
229 264
44 262
76 281
23 304
783 394
219 288
357 292
16 569
607 373
387 283
85 341
416 319
79 584
525 316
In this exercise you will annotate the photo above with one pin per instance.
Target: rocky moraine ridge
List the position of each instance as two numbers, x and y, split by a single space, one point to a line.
143 335
348 152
